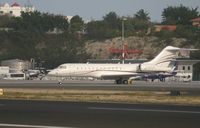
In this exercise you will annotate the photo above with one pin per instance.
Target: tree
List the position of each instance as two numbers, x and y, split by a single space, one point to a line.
39 22
31 40
76 24
179 15
4 19
139 24
142 15
109 27
96 30
112 20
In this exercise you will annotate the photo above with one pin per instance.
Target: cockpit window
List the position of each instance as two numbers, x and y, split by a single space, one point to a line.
62 67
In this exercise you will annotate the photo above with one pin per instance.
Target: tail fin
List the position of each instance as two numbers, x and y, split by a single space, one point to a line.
174 68
165 57
164 60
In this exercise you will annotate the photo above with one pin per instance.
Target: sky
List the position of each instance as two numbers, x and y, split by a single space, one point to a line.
96 9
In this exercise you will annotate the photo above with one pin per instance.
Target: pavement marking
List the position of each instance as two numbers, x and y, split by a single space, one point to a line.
30 126
146 110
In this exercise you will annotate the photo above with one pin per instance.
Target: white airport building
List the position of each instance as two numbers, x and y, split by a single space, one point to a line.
185 70
15 9
14 69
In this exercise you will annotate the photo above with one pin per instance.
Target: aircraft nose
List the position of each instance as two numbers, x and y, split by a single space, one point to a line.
52 73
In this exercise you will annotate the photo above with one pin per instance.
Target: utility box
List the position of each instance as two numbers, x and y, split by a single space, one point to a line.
4 71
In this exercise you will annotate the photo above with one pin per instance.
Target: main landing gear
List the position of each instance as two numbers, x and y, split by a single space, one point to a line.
123 81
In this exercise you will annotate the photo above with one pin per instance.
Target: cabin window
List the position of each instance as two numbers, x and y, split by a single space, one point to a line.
183 67
189 68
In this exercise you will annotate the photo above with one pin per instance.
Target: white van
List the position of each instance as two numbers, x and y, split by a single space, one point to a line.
15 76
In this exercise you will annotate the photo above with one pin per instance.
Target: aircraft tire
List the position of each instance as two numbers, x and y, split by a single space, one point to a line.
125 81
118 82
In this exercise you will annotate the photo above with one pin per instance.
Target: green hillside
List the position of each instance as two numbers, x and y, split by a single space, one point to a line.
52 39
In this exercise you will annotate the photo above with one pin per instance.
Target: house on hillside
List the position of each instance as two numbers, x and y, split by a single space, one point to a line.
15 9
196 22
158 28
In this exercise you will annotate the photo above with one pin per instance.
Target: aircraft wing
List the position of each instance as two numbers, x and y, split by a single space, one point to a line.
120 75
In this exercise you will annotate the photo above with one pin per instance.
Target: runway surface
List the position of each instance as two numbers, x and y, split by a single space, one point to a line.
45 114
104 85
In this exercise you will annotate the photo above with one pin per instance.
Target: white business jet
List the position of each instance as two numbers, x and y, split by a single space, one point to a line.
121 73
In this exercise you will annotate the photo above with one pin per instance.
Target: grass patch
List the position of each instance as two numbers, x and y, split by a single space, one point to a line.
101 96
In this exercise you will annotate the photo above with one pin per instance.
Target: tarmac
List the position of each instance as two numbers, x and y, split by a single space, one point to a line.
62 114
193 87
49 114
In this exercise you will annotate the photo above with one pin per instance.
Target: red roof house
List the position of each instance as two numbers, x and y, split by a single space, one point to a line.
196 22
158 28
15 5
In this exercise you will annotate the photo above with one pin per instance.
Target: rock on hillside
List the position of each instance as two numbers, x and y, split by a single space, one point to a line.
149 45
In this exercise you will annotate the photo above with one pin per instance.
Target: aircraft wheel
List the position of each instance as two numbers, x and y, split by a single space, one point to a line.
118 82
59 83
125 81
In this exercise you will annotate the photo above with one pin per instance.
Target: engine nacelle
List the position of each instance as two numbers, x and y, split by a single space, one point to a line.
152 68
147 68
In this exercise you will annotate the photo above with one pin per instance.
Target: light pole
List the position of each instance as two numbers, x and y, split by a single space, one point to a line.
123 54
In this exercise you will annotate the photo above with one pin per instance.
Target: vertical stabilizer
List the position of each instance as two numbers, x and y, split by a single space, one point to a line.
165 57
